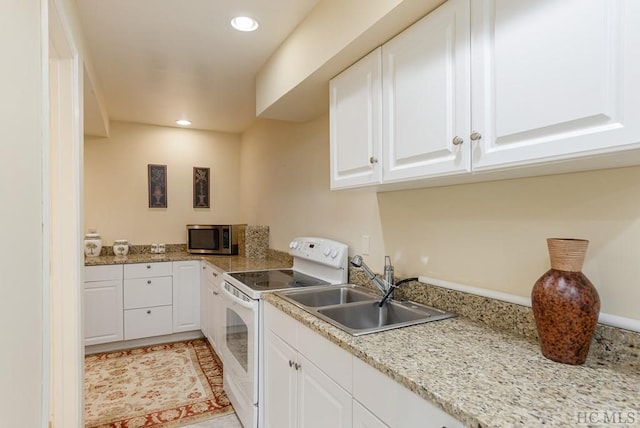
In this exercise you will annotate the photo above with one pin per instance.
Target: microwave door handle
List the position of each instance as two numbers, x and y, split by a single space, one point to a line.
236 300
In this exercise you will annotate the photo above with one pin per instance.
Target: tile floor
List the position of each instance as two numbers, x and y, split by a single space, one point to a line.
229 421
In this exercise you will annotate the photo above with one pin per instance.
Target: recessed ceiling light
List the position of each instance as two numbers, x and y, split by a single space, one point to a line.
244 23
183 122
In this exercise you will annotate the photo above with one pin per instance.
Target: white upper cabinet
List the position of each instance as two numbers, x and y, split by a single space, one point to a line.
500 88
553 79
426 97
355 124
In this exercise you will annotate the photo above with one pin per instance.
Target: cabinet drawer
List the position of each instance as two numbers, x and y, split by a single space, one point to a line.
102 273
145 270
143 292
212 274
147 322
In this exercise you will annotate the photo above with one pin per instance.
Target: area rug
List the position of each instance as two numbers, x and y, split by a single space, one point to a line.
162 386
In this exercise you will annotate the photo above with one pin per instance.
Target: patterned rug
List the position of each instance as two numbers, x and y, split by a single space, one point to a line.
162 386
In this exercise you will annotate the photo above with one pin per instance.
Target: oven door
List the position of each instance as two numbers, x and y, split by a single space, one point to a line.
240 352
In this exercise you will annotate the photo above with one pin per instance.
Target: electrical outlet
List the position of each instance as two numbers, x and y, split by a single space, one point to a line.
366 243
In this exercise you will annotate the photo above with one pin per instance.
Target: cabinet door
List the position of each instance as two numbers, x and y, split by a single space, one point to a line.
426 97
355 124
280 389
363 418
186 296
321 402
103 312
554 79
204 301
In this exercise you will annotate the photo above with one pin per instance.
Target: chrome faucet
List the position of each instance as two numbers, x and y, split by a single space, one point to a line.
385 285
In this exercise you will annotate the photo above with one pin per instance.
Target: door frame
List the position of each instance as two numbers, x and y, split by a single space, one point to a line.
63 260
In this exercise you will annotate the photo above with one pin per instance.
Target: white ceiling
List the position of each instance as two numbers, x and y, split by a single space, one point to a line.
157 61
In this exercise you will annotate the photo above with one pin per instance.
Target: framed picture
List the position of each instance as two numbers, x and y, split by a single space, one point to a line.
200 187
157 176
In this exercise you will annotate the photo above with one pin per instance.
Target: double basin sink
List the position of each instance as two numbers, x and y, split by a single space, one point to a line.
356 309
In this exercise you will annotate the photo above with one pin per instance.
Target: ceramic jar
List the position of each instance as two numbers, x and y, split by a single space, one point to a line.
565 304
92 244
120 247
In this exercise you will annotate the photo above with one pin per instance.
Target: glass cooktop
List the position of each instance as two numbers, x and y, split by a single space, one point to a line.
277 279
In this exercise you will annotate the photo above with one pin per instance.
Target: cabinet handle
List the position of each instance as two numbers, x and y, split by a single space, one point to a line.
297 366
214 274
373 160
290 363
148 281
457 140
475 136
149 311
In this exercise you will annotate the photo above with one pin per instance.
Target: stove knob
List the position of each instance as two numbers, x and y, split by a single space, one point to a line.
294 245
334 253
327 251
291 244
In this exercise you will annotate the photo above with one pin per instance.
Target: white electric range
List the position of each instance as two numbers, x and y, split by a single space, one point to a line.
316 262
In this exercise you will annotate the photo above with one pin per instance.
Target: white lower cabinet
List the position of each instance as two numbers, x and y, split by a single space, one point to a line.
363 418
103 303
298 390
148 300
311 382
393 404
211 304
186 296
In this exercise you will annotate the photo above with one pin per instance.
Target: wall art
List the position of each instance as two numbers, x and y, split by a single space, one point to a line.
157 186
200 187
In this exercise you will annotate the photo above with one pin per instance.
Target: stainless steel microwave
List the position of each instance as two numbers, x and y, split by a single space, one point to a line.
214 238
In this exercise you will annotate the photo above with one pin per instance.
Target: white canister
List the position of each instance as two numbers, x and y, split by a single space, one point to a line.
120 247
92 244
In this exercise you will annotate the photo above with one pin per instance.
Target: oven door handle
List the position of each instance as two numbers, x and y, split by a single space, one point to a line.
236 300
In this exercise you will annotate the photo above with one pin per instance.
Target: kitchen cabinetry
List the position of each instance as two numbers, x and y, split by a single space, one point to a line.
309 381
392 403
426 97
491 92
305 377
211 304
363 418
356 127
103 303
186 296
148 300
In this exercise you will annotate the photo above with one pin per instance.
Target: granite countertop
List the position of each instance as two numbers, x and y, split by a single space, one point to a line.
486 377
224 263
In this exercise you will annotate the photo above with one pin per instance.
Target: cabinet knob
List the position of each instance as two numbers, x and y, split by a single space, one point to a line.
373 160
457 140
475 136
149 311
214 274
148 281
148 266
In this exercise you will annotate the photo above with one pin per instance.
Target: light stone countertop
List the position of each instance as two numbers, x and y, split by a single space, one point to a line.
224 263
486 377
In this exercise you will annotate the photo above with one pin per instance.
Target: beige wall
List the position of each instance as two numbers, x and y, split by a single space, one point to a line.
285 182
116 197
21 151
489 235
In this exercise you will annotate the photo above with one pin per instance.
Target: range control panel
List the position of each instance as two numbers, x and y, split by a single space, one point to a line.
320 250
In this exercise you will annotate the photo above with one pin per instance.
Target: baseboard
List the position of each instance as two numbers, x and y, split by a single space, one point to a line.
147 341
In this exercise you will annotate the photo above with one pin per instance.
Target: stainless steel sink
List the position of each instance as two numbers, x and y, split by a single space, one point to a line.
328 296
355 309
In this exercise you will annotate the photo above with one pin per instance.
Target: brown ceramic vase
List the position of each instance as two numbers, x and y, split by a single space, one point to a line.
565 304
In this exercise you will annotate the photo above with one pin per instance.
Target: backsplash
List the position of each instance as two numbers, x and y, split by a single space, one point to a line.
612 345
